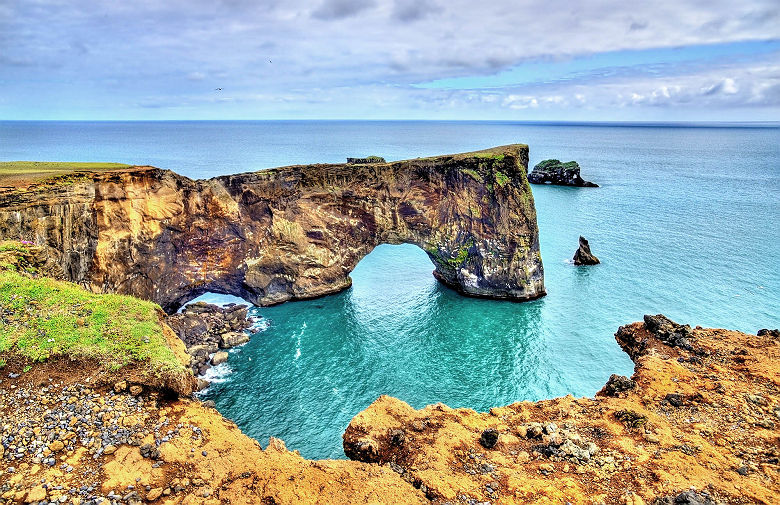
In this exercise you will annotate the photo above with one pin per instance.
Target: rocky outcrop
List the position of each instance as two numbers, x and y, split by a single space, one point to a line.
559 174
65 439
368 159
696 423
206 329
583 256
287 233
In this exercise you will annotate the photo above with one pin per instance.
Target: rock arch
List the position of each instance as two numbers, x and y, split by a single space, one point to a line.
288 233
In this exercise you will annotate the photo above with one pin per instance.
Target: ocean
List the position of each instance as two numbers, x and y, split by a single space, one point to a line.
686 223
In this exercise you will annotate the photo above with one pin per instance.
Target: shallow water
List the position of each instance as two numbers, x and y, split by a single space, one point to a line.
685 223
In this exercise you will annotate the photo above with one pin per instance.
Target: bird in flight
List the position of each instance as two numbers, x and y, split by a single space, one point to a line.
217 89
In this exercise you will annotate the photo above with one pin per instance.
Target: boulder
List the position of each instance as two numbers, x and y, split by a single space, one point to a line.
232 339
559 174
219 358
489 438
669 332
583 256
617 384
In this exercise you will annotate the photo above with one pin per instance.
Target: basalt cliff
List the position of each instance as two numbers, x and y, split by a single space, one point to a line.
287 233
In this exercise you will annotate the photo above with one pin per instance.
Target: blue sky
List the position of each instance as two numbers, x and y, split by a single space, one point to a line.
390 59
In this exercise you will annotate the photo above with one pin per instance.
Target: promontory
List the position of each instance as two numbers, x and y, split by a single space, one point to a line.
286 233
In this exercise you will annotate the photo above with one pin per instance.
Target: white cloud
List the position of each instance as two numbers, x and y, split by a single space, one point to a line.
366 54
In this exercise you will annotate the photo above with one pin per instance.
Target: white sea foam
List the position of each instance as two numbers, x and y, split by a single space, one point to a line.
218 374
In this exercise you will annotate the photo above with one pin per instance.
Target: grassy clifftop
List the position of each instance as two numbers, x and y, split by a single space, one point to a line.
42 318
21 174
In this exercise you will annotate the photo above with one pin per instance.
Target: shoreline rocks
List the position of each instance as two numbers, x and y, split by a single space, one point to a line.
207 330
583 256
559 174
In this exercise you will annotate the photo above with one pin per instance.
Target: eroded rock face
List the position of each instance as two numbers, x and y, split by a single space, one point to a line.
559 174
700 412
287 233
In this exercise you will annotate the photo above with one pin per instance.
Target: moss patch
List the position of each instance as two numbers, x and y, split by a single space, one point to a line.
630 418
42 318
473 174
501 178
491 156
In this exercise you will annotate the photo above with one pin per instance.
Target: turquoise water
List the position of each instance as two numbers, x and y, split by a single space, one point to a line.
685 223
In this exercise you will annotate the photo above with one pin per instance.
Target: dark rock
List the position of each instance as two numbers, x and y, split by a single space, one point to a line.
560 174
770 333
674 399
205 328
583 256
367 159
149 451
669 332
489 438
687 498
397 437
617 384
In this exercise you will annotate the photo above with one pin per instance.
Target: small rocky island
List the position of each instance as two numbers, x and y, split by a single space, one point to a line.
583 256
559 174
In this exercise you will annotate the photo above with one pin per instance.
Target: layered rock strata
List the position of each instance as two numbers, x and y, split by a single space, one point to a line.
559 174
287 233
696 423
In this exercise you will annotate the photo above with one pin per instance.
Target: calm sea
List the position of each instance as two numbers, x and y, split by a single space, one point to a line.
686 222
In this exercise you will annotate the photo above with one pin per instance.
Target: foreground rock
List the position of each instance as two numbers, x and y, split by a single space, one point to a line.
697 423
63 441
286 233
559 174
206 329
583 256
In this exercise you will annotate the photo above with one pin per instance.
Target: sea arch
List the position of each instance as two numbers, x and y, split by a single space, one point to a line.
290 233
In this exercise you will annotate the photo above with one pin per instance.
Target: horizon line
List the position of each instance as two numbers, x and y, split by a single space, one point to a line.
681 123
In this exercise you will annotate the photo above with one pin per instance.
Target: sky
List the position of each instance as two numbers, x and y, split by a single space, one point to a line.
550 60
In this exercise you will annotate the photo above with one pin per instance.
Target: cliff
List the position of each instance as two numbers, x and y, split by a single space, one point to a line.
696 424
287 233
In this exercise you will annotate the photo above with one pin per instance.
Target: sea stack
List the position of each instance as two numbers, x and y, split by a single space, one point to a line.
559 174
583 256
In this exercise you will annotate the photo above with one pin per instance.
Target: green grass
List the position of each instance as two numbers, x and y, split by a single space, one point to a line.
54 167
42 318
473 174
501 178
491 156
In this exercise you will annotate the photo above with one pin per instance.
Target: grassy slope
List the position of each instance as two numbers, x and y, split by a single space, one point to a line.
42 318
